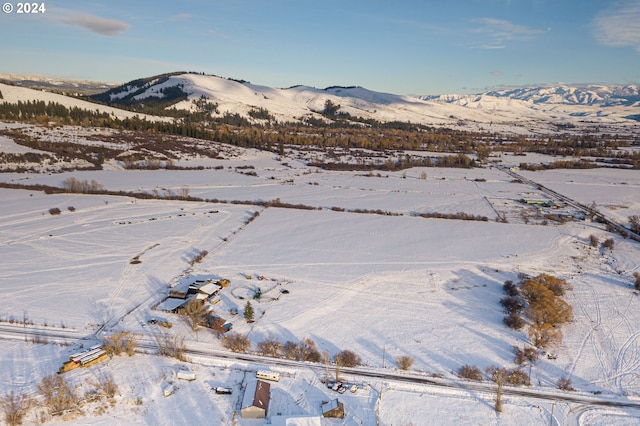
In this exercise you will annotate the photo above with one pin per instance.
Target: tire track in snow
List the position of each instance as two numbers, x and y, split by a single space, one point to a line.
590 337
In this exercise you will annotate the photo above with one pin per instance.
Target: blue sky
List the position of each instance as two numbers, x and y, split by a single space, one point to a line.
400 46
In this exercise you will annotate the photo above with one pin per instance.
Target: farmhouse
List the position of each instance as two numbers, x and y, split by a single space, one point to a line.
256 400
333 408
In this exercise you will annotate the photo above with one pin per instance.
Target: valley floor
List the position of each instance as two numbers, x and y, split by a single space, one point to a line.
382 283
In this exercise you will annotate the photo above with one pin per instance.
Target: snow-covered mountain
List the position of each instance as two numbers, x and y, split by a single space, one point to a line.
57 84
519 110
591 94
513 109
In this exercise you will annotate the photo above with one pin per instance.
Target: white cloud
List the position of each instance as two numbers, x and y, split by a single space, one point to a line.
500 28
619 25
217 33
109 27
181 17
496 73
496 32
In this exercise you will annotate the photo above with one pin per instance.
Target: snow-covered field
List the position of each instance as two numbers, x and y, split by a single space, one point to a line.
380 285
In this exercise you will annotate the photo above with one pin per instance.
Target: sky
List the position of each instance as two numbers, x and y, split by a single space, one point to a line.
408 47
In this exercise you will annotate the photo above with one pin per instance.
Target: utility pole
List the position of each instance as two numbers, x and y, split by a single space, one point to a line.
383 353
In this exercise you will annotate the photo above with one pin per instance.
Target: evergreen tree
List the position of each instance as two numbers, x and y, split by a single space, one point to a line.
248 312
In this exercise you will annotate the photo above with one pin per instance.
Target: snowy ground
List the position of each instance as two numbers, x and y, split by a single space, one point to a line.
382 286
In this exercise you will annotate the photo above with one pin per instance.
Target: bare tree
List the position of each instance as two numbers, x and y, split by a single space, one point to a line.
195 312
183 192
105 384
236 342
325 361
348 358
270 347
634 222
58 394
14 408
217 326
527 354
170 345
309 350
498 376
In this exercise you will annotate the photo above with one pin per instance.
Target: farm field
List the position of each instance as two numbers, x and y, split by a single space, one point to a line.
362 271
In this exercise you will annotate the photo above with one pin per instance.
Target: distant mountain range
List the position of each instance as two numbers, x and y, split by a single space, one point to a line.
590 94
57 84
541 109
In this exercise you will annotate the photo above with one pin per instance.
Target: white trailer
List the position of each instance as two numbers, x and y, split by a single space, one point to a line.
268 375
186 375
168 389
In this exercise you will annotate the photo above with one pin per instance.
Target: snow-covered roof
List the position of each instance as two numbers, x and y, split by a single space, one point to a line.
209 288
256 395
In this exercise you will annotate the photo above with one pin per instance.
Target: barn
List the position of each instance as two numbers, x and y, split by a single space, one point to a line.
256 400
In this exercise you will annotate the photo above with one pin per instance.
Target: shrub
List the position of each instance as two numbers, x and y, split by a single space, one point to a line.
593 241
525 355
511 304
470 372
72 184
557 285
405 362
306 350
514 321
106 385
270 347
608 243
636 276
347 358
554 311
14 408
310 351
54 211
122 341
534 291
71 209
564 384
58 394
199 257
510 288
236 342
544 335
517 377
